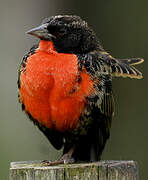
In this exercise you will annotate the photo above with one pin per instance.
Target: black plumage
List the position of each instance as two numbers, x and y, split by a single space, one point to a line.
72 35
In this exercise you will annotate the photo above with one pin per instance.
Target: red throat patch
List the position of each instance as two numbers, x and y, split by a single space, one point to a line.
50 89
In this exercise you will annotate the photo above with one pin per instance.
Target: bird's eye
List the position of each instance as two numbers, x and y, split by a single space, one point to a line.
62 31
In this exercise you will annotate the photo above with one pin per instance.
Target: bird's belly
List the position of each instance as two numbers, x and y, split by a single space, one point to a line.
50 92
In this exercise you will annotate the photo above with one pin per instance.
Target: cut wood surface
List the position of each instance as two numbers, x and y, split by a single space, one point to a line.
103 170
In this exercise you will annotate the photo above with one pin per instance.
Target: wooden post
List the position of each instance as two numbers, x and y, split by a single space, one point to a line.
103 170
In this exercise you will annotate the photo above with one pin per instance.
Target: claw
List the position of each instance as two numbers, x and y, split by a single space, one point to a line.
66 159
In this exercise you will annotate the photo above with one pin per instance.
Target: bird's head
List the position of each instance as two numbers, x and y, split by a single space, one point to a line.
69 34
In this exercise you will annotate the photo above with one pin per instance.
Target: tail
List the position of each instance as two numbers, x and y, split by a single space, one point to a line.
125 67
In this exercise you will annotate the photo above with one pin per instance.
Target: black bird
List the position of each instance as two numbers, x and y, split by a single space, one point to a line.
65 87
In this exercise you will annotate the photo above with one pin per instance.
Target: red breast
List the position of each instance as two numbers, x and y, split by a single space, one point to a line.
50 90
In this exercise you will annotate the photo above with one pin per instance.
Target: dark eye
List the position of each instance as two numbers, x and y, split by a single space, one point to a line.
63 31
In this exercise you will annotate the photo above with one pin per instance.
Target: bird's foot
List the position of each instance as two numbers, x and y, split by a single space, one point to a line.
52 163
66 159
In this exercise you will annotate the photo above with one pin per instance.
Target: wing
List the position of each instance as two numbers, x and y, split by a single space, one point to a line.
122 67
55 138
100 107
102 67
102 110
23 63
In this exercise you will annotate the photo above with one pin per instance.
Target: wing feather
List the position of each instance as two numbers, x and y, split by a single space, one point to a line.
100 107
122 67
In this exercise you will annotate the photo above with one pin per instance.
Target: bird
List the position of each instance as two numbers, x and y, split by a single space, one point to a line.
65 87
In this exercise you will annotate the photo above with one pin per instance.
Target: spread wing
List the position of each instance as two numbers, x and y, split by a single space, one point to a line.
122 67
102 67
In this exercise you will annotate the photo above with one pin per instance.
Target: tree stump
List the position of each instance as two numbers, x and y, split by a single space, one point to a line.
103 170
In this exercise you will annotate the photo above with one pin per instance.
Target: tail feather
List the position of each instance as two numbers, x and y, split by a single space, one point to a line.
125 67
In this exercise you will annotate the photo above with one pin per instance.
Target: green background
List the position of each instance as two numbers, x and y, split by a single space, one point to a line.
122 27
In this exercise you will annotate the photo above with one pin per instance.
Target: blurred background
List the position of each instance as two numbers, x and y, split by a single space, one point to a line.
122 28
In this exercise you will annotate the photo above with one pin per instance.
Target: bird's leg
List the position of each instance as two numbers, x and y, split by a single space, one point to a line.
66 159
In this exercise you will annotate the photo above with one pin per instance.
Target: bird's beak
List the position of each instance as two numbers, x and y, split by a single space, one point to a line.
41 32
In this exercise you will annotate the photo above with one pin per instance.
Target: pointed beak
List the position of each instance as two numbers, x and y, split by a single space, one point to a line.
41 32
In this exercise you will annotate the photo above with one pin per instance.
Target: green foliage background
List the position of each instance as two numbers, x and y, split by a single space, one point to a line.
122 28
